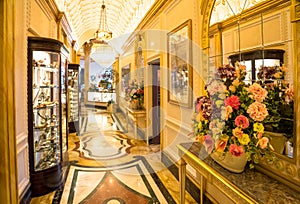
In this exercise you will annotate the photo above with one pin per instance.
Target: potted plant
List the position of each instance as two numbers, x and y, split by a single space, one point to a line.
229 119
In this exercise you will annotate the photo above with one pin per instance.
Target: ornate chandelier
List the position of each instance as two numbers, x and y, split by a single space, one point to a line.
102 35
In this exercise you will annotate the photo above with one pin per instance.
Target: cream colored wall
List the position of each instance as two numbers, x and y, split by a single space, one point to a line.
33 18
175 120
41 22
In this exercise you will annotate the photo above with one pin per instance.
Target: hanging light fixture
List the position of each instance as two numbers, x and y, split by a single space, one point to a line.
102 35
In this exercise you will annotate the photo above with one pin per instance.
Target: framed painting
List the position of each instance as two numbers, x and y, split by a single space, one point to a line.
180 74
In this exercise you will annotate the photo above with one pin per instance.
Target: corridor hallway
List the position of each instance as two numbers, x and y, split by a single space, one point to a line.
108 166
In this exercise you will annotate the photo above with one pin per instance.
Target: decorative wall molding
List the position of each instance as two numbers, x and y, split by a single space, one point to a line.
295 11
184 128
171 6
49 8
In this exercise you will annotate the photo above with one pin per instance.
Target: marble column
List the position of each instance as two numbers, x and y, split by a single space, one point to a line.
87 48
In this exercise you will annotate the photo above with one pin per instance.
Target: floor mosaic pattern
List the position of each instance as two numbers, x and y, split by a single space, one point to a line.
103 145
132 182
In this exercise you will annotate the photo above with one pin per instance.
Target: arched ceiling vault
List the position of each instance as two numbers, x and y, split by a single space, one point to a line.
123 16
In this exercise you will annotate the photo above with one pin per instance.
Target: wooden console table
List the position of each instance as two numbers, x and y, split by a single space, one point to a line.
135 116
223 186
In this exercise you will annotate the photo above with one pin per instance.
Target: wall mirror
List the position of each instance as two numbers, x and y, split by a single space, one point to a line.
262 38
266 66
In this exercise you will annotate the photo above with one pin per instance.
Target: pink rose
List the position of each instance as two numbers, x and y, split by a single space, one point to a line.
257 111
236 150
241 121
233 101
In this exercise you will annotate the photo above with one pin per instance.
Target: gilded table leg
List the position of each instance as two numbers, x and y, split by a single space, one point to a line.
182 178
201 188
135 126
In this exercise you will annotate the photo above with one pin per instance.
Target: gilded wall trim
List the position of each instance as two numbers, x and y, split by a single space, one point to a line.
295 12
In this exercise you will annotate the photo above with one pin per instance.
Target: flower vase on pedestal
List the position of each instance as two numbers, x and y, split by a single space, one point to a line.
230 162
140 105
133 104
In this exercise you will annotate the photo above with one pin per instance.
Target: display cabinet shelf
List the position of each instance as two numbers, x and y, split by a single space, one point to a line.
44 87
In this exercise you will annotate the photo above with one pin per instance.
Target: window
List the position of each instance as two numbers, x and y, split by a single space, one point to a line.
254 60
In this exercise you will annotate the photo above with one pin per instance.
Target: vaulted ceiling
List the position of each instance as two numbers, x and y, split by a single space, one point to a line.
123 16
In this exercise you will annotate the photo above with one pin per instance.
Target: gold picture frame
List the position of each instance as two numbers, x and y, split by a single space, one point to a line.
180 74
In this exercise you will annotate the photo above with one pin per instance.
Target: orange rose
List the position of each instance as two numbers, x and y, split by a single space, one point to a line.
257 111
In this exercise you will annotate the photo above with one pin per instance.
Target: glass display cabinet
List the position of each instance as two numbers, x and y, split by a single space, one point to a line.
73 96
44 114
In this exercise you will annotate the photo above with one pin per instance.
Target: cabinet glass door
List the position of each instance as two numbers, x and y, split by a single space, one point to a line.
46 109
64 64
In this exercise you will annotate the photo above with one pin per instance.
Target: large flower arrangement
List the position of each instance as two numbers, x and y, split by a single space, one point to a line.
230 117
135 95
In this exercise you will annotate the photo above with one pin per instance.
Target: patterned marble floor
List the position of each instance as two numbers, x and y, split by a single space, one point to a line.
108 167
